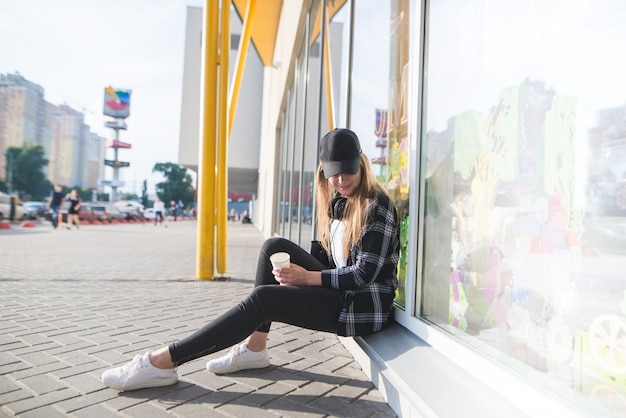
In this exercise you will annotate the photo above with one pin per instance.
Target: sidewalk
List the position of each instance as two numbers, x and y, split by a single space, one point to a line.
74 303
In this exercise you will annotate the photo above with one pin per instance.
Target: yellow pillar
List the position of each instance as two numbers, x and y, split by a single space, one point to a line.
206 163
222 144
328 72
240 63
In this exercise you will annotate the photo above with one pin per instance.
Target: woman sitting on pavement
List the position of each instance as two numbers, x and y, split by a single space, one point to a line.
345 286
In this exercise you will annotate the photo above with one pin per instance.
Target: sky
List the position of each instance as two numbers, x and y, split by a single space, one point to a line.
76 48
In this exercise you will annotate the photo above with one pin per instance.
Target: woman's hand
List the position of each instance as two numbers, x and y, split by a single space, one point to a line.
294 275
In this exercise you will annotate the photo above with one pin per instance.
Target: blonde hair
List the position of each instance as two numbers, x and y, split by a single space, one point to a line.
355 213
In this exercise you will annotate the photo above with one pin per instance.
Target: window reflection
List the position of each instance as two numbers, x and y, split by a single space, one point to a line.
378 113
524 181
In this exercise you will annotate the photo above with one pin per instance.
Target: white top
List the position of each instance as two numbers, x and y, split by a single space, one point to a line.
337 232
159 206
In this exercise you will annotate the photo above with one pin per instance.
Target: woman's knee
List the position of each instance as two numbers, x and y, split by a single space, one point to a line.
276 244
260 298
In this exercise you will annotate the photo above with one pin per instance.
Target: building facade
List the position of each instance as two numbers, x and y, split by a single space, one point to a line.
75 154
498 129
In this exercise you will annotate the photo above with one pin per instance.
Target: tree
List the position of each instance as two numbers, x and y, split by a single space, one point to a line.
144 194
25 169
177 186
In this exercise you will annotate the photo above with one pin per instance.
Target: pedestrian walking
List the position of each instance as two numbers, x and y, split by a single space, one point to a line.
72 213
159 211
55 201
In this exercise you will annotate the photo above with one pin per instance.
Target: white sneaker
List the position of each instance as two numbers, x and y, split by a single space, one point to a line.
138 374
239 358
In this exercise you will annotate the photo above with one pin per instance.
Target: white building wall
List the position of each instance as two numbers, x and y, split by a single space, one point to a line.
274 87
244 139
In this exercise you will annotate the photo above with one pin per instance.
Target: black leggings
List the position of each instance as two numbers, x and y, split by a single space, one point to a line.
314 308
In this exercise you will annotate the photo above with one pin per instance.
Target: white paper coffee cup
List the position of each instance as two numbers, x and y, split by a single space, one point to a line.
280 260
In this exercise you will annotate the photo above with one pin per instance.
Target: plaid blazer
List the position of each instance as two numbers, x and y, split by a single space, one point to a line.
369 280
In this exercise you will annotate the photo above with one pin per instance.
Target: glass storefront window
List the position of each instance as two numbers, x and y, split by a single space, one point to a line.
524 178
378 111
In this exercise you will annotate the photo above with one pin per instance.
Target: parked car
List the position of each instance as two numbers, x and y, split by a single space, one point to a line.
5 208
149 214
131 212
106 212
87 213
35 210
115 214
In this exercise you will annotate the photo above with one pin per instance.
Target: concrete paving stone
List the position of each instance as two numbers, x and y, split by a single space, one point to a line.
12 346
64 324
238 410
281 358
265 395
374 401
337 350
65 338
292 405
130 338
340 408
351 390
62 349
351 371
32 327
139 348
42 384
30 338
97 338
31 403
99 410
8 385
146 410
286 407
322 376
7 358
182 396
44 412
195 410
36 371
84 383
331 364
92 327
6 338
93 367
14 396
324 345
8 329
124 400
277 337
278 374
112 357
90 348
228 394
301 365
14 367
35 350
35 358
254 379
293 345
308 393
75 358
201 377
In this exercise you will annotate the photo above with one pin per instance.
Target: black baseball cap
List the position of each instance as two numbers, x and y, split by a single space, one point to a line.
339 152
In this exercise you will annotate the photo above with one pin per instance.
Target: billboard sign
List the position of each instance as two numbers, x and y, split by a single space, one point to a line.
120 144
115 124
116 163
116 103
